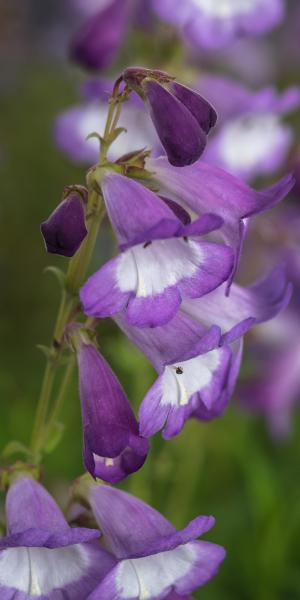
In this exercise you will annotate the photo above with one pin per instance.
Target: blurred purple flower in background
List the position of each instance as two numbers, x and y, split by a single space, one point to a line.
273 389
72 126
98 40
251 139
215 23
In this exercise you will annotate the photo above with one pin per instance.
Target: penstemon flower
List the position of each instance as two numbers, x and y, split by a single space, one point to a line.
198 353
252 139
112 446
154 561
202 185
41 556
162 260
214 24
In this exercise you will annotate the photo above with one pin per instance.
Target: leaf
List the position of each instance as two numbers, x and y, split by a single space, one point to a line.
58 273
15 447
94 134
116 133
45 350
54 436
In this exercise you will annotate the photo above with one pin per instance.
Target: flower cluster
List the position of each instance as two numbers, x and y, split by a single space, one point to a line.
179 224
140 554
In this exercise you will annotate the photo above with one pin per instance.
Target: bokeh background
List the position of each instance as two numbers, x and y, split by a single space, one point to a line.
233 467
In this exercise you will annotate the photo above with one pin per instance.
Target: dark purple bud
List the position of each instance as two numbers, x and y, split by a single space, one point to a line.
65 229
179 132
95 45
113 447
202 110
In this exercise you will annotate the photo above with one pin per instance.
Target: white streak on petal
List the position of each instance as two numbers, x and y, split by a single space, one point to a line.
148 577
38 571
149 271
196 374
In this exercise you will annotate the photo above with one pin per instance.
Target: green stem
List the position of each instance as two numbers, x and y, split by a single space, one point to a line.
78 265
75 275
42 406
74 279
61 394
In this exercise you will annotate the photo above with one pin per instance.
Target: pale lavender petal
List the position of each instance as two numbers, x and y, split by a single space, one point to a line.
142 530
134 210
243 307
180 339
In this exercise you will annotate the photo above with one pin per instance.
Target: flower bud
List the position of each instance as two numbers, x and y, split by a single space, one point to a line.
65 229
182 118
113 447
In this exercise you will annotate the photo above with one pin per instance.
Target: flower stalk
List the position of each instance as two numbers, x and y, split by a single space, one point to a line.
45 419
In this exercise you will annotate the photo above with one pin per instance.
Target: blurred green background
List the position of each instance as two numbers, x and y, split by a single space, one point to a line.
229 468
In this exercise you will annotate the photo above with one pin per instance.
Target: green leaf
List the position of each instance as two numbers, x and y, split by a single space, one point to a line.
94 134
116 133
15 447
45 350
54 436
58 273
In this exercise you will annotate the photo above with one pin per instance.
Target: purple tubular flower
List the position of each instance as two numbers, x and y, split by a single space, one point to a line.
198 353
196 374
203 187
65 229
162 259
182 119
200 383
211 25
95 45
41 556
112 446
154 560
245 307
